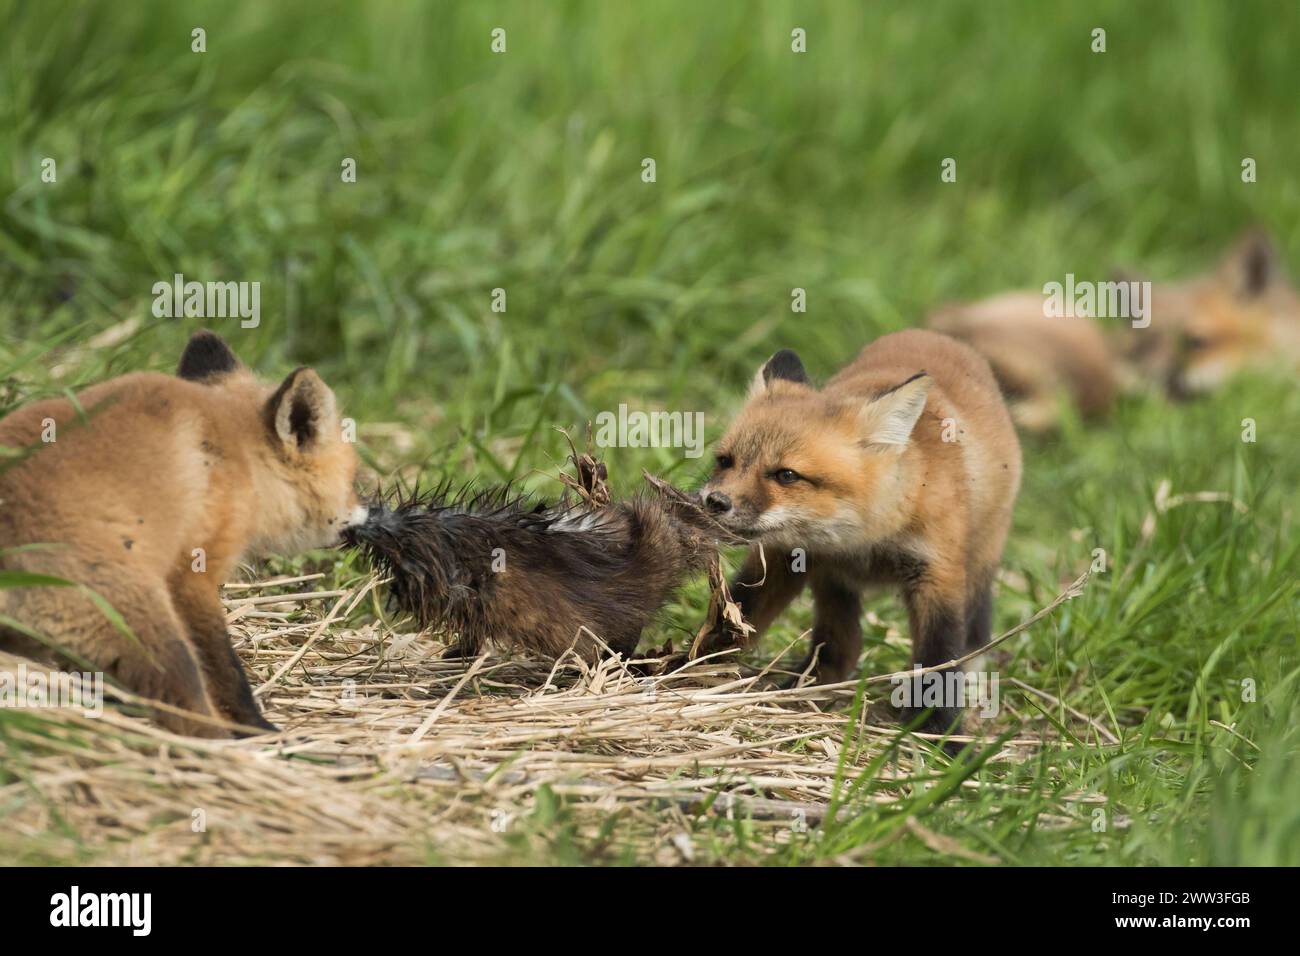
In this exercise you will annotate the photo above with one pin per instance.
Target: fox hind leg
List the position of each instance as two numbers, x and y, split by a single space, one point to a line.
979 619
940 632
154 662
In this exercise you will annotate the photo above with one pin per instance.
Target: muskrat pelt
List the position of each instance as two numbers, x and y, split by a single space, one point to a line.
518 573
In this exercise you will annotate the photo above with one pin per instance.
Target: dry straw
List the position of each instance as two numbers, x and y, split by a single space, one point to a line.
391 755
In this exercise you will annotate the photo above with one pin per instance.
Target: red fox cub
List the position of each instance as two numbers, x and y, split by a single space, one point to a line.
1195 335
148 491
1037 359
1243 315
903 469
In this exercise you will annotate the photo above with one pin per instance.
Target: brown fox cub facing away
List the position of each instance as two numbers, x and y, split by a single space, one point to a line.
1243 314
1038 359
149 498
903 469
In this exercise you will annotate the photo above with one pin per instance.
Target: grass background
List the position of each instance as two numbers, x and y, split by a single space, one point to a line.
774 171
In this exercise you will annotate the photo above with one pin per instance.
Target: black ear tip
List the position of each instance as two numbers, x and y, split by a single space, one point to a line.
905 382
786 365
1261 243
1259 260
1258 244
206 354
207 337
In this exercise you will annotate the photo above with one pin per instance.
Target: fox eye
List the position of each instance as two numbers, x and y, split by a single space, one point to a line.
1195 343
725 462
786 476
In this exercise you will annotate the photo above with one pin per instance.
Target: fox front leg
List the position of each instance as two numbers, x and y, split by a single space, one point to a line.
765 586
224 678
837 628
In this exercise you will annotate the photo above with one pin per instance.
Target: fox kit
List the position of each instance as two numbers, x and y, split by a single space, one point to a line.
903 469
1037 358
150 491
1243 314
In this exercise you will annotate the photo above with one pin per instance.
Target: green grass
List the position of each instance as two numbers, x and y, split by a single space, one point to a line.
821 171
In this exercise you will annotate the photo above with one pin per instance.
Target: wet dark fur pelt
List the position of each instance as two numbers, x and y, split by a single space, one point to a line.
570 571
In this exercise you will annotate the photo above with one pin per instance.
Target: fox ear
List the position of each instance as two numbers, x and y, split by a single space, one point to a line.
301 410
888 419
206 354
1252 265
785 365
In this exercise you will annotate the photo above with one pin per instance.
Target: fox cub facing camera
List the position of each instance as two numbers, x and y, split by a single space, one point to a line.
902 470
149 494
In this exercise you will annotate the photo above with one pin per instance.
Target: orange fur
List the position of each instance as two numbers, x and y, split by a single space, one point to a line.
155 472
898 477
1037 359
1244 314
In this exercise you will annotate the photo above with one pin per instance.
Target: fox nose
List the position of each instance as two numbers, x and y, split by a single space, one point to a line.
1176 387
717 502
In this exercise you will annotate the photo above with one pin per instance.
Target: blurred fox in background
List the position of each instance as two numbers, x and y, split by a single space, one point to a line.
1037 359
1242 315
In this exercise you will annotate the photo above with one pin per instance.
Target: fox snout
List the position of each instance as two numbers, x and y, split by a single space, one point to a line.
717 503
354 514
738 515
370 517
359 515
